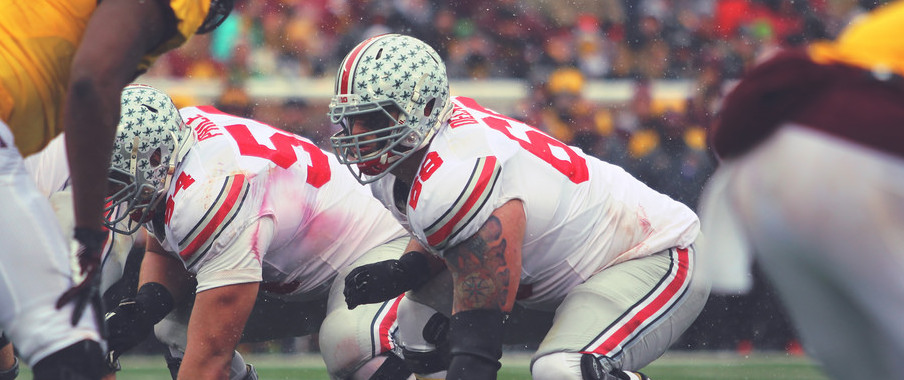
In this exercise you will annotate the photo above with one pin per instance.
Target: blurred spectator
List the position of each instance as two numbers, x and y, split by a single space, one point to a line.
660 39
194 61
701 105
235 101
570 117
594 53
412 16
303 118
567 112
671 157
666 151
558 51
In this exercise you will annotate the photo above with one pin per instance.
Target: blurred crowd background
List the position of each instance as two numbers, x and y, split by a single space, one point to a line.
555 48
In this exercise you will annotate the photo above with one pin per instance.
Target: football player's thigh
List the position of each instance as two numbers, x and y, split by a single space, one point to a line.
34 267
349 338
630 313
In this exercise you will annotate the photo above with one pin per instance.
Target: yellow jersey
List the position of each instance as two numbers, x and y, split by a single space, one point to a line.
38 39
872 42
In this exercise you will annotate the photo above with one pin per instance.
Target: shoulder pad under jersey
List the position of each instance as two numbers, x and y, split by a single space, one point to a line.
451 201
202 214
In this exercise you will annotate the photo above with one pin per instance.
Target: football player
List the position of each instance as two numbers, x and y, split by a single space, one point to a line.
517 216
812 178
62 66
252 225
51 174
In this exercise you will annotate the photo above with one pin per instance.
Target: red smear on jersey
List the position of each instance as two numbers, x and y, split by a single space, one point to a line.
232 197
255 239
645 227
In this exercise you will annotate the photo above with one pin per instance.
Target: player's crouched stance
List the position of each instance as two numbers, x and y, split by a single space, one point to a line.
251 228
516 216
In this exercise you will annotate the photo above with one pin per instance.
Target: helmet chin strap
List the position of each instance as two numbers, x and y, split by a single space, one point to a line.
133 161
441 118
412 138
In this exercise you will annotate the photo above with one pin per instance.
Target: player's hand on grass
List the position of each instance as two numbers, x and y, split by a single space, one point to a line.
127 326
133 319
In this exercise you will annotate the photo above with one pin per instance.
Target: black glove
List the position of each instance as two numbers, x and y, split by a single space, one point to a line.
385 280
134 318
91 243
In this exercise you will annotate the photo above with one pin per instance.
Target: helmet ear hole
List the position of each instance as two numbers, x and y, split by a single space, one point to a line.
155 158
429 107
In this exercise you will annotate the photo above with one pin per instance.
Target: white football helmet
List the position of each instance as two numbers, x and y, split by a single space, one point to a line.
151 140
383 73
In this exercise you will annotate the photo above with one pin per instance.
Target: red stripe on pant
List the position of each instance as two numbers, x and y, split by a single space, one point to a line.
386 324
662 299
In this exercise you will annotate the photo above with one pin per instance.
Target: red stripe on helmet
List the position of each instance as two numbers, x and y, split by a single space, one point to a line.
347 66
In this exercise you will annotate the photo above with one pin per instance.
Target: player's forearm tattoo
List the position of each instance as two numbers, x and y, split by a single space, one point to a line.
482 280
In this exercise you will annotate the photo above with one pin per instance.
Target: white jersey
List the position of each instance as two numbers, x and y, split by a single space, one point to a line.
49 167
240 172
50 170
583 214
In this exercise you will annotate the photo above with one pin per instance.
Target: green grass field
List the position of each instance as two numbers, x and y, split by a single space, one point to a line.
672 366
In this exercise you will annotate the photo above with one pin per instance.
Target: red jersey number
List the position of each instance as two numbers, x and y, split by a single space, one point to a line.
430 165
283 153
538 143
182 183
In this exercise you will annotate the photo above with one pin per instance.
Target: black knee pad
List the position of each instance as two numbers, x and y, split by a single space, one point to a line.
435 332
436 329
426 362
393 368
81 361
